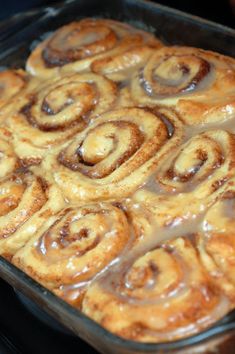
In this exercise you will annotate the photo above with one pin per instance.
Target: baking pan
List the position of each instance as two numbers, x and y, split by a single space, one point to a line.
172 27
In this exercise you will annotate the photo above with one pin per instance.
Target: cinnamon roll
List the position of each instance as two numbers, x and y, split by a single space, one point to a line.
107 47
115 155
55 111
191 178
74 246
164 294
11 82
200 83
26 201
216 242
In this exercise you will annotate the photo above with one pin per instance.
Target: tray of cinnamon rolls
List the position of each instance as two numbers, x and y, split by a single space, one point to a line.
117 173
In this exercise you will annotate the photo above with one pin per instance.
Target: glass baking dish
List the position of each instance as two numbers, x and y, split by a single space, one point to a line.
171 26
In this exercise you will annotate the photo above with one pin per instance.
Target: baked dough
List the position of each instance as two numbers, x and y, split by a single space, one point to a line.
199 83
105 46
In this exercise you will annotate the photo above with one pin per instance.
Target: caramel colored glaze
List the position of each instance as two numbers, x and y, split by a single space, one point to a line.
11 82
107 47
189 79
54 111
115 155
74 246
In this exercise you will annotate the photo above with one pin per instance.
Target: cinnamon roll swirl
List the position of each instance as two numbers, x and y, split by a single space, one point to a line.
164 294
216 242
191 79
191 178
11 82
56 110
73 246
107 47
25 203
115 155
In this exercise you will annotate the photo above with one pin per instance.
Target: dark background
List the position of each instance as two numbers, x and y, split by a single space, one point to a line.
22 333
216 10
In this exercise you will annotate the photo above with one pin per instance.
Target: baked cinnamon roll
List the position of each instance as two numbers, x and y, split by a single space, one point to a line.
115 155
26 202
74 246
107 47
216 242
55 111
200 83
161 295
189 181
11 82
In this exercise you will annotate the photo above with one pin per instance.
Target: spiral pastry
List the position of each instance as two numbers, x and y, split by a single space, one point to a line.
191 179
191 79
115 155
73 247
11 82
162 295
216 242
107 47
50 114
25 203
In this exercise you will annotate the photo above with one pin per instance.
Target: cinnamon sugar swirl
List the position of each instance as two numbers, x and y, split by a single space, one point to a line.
189 79
115 155
74 246
54 111
164 294
26 203
26 200
192 178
